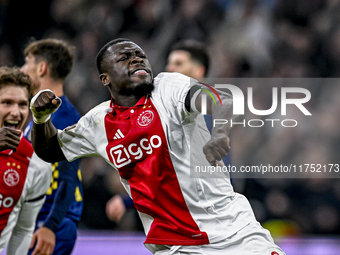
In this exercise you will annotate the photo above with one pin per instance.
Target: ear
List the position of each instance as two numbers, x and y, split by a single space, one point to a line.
200 72
42 68
105 79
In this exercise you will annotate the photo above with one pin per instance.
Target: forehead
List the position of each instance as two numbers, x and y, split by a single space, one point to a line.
30 59
177 55
124 47
13 90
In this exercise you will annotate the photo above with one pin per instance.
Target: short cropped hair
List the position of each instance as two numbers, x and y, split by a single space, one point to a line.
103 54
197 50
58 55
13 76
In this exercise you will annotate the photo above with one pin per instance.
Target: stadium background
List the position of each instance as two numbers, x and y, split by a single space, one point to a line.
246 39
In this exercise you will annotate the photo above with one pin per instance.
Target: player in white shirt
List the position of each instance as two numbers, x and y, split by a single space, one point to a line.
153 134
24 178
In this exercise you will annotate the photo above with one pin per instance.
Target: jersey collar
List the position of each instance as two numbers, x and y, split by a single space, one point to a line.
117 109
141 101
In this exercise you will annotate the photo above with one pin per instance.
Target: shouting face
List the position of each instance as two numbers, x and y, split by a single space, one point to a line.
13 106
127 69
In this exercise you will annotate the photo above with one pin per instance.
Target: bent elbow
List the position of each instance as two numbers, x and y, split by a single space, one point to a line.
51 154
45 156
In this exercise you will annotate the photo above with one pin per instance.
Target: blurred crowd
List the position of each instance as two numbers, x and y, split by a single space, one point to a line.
246 39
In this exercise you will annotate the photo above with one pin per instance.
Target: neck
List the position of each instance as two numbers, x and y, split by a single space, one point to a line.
58 90
55 86
127 101
128 98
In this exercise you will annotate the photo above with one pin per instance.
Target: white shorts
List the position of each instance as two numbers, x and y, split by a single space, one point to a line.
253 239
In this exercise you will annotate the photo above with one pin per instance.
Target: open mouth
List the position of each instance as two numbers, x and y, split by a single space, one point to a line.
12 124
139 72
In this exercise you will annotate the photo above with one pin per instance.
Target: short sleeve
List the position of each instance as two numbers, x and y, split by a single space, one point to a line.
73 138
81 139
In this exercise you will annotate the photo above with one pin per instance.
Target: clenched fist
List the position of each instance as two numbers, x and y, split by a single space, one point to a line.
217 147
43 105
9 138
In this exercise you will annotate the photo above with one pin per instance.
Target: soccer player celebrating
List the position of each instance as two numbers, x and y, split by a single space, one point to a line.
188 57
24 178
146 132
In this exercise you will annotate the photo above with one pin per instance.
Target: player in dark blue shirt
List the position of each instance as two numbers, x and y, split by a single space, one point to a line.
48 62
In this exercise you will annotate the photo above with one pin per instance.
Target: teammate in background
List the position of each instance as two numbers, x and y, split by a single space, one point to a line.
188 57
48 62
191 58
182 213
24 178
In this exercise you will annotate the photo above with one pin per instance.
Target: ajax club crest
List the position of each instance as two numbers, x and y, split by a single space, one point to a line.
145 118
11 177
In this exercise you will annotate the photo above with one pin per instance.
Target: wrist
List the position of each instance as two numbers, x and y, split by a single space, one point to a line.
51 225
41 119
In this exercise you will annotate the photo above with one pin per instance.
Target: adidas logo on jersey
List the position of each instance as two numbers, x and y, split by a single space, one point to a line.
118 135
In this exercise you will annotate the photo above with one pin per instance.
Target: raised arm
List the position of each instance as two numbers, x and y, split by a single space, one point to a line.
44 133
218 146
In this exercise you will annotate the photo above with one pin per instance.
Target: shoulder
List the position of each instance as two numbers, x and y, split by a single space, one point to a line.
173 86
96 114
171 79
39 169
39 174
102 108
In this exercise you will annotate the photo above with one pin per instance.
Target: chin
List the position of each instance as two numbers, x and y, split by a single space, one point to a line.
139 90
143 89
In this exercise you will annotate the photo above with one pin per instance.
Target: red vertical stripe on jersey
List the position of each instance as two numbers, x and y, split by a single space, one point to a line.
13 171
142 157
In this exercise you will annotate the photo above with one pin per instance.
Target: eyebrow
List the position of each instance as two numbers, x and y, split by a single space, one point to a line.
12 100
130 51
